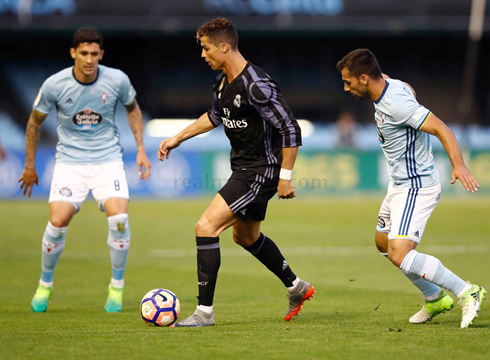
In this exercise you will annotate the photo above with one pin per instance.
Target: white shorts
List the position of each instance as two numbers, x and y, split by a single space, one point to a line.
72 183
404 211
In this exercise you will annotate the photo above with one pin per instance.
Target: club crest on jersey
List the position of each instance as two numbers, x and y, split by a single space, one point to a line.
103 97
383 118
238 101
87 119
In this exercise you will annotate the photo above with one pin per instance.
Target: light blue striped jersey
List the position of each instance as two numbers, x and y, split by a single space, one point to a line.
399 118
85 114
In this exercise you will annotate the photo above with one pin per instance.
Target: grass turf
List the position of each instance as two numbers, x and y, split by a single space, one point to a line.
361 308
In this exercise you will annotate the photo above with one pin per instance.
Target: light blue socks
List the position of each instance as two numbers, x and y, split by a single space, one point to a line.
118 240
429 290
430 268
52 247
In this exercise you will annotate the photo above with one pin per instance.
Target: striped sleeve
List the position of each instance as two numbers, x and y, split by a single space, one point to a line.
267 99
214 113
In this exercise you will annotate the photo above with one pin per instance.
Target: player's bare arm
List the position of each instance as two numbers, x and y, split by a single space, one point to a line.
435 126
29 175
136 122
285 189
201 125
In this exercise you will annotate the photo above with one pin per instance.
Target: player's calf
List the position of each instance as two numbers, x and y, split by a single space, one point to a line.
118 241
52 246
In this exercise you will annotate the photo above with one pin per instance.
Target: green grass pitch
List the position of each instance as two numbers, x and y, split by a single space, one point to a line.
360 310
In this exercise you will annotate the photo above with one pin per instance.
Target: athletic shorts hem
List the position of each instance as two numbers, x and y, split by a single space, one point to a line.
76 205
102 202
415 240
247 194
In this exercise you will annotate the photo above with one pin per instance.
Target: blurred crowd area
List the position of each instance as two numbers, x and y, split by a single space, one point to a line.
424 44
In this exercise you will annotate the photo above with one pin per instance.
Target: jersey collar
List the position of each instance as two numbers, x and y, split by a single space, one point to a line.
383 93
85 84
239 75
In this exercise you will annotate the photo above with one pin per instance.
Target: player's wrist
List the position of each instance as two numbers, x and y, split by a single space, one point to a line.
285 174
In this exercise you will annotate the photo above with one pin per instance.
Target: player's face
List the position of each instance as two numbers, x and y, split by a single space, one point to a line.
212 54
87 57
353 85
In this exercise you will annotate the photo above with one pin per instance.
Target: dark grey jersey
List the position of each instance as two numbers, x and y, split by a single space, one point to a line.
258 121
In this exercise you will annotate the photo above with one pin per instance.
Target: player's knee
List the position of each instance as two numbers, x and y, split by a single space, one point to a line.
381 248
236 238
396 258
119 233
59 221
243 240
205 228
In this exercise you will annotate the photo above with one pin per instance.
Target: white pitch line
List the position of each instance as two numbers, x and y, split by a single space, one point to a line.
324 251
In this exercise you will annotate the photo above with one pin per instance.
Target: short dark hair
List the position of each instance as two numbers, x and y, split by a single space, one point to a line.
361 62
219 31
88 35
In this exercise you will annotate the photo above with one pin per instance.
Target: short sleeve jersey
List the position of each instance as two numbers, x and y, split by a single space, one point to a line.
85 114
399 118
257 120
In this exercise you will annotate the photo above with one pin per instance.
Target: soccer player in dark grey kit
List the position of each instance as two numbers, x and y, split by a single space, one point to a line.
264 137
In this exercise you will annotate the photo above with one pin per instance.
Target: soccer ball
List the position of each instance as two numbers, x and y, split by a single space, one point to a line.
160 307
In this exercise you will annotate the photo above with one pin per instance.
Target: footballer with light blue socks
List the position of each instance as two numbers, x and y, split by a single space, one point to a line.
404 127
89 157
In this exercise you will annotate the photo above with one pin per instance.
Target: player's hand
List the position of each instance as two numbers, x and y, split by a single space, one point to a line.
143 163
285 189
463 174
166 147
27 181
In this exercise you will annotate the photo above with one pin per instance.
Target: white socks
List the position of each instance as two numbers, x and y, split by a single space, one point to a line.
431 269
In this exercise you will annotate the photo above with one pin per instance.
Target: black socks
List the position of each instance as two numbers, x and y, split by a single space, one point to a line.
267 252
208 262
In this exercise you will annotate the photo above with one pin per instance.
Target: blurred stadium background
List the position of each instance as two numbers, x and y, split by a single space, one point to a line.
424 42
362 303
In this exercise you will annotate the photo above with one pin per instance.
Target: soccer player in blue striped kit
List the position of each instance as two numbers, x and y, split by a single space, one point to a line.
403 129
88 157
